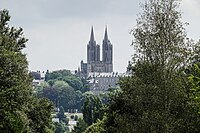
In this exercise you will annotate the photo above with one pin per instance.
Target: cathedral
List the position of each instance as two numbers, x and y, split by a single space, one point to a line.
94 64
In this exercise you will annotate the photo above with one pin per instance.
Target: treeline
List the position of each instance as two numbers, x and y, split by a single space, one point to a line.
64 89
69 93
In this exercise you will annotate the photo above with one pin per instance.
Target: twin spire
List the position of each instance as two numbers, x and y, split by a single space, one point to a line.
106 35
92 35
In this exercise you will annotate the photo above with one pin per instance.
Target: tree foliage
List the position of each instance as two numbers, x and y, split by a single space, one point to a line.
17 104
92 108
97 127
40 115
65 75
156 97
80 127
14 78
63 89
61 116
61 94
60 127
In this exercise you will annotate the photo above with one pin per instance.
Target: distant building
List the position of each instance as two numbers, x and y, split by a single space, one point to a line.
38 77
94 64
101 82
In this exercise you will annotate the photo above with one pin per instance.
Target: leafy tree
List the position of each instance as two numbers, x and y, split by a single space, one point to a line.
17 104
80 127
156 97
60 85
193 71
39 89
60 128
61 94
195 83
44 84
40 115
58 80
195 58
51 82
79 100
61 116
97 127
57 74
86 87
92 108
74 82
51 94
14 79
65 75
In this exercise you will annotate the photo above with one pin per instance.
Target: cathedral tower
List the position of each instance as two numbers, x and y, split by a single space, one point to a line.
94 64
107 53
93 49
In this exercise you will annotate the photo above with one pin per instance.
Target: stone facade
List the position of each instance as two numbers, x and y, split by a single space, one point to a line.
101 82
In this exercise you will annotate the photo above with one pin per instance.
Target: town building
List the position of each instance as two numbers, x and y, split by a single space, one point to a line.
101 82
38 78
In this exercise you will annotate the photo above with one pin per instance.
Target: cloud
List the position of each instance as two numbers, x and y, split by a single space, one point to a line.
192 7
70 8
59 30
62 44
191 14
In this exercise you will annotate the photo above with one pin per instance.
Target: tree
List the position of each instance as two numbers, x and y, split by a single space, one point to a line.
61 116
57 74
61 94
155 98
97 127
64 79
65 75
80 127
60 127
40 115
16 83
39 89
14 79
92 108
195 58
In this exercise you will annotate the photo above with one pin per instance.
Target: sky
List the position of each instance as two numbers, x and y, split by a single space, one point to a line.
59 30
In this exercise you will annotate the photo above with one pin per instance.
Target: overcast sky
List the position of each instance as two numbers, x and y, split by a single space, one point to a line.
59 30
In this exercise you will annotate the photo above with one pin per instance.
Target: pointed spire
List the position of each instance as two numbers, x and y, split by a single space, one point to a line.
106 34
92 35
